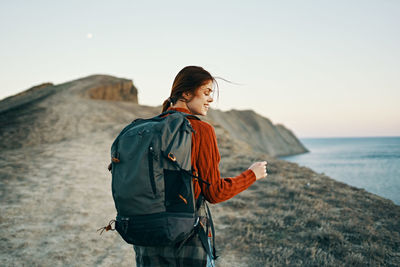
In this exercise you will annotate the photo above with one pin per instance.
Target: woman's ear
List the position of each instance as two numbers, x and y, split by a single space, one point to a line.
187 96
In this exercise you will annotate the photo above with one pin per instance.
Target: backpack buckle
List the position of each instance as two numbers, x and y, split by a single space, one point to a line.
197 222
171 156
115 157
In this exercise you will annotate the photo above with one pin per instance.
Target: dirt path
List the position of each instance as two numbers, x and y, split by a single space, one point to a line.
53 200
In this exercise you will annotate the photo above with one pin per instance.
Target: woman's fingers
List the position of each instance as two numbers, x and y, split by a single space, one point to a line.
259 169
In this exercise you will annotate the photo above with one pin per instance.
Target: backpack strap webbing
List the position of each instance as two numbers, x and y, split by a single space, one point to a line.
214 252
204 241
203 232
175 111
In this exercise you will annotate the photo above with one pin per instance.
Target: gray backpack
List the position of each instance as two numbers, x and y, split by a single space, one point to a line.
152 181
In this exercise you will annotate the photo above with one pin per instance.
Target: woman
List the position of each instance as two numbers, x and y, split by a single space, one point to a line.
191 93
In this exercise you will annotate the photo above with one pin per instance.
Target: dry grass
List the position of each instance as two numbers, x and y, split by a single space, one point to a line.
297 217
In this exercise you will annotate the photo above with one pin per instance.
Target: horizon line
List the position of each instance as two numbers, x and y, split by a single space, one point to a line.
331 137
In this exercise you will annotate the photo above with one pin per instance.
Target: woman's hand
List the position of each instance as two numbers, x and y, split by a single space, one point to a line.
260 169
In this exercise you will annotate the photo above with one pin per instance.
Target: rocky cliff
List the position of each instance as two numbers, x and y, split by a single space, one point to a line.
52 113
259 132
110 89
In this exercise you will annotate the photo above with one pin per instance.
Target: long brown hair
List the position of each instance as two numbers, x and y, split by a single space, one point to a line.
188 80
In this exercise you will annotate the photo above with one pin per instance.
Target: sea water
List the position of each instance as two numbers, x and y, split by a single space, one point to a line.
372 163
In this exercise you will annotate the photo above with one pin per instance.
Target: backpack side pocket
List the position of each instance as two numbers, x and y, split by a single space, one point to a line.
178 192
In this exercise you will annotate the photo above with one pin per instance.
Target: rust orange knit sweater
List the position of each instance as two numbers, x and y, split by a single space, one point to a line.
205 160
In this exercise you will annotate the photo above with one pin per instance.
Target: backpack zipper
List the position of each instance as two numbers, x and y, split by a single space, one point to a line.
151 170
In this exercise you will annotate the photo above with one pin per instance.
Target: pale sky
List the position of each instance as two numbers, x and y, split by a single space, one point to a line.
321 68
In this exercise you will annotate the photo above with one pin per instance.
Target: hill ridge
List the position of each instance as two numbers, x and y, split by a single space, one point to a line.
68 105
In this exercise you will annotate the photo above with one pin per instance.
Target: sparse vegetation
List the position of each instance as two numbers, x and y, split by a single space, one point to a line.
297 217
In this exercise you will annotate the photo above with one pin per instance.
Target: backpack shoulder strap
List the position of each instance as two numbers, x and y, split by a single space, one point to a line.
175 111
192 117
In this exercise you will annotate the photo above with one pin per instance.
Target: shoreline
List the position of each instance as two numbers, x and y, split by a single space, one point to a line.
359 162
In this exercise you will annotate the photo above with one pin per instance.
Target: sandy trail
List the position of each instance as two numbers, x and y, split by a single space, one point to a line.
53 201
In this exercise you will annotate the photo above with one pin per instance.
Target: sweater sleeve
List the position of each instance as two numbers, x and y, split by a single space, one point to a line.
220 189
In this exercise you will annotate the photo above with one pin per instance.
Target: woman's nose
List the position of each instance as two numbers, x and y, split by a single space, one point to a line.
210 99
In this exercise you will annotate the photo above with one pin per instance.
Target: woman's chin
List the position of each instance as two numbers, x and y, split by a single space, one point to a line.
200 112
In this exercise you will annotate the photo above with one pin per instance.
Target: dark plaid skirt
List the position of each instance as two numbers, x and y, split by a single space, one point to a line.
191 253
